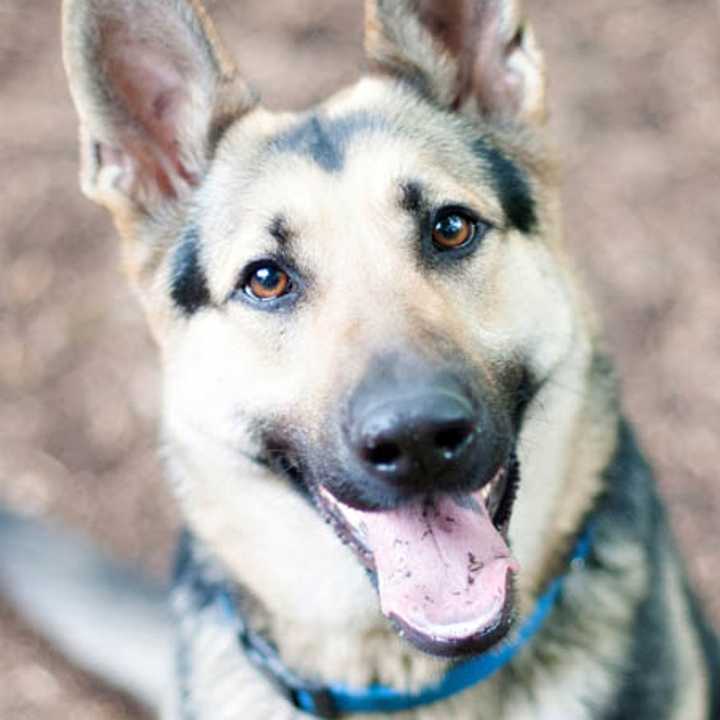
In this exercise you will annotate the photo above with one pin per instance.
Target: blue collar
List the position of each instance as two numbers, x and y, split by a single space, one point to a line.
335 700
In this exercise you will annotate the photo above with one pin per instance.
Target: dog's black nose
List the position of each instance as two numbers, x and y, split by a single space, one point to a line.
412 427
418 438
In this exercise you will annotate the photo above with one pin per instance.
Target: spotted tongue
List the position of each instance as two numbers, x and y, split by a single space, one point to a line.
442 568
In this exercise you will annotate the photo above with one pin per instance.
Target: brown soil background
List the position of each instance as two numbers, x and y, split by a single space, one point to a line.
635 86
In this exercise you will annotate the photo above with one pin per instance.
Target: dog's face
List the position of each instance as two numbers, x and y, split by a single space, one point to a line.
359 307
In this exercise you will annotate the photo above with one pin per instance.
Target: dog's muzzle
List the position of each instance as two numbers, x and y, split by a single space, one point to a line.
419 482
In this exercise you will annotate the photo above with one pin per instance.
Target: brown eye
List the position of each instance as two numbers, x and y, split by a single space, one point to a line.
267 282
452 230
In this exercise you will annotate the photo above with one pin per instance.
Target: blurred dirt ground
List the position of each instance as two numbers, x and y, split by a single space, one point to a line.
635 87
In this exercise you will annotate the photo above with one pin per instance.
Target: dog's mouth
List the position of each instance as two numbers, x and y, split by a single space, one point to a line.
441 562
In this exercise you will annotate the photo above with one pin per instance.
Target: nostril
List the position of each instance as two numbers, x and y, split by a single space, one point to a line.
383 454
451 440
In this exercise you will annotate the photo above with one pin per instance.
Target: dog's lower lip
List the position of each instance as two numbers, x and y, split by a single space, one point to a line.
348 535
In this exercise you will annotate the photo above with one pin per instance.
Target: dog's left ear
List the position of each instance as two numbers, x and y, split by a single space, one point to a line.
475 56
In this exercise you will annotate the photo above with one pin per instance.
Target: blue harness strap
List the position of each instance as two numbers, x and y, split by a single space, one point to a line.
333 700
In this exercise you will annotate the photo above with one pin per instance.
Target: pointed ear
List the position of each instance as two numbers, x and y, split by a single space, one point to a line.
153 89
477 56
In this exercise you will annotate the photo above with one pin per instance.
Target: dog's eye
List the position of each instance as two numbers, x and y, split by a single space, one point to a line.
453 229
267 281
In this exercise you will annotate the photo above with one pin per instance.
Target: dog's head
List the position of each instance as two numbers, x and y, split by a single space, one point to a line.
362 311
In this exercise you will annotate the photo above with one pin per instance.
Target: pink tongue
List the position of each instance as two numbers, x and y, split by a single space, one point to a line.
442 567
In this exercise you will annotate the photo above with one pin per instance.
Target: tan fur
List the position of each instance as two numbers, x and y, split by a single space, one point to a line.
226 365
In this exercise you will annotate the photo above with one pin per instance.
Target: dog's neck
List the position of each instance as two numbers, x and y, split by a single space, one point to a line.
203 580
200 583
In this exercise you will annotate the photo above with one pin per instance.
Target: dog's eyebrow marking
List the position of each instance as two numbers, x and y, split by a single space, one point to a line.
281 231
188 284
325 140
412 198
511 185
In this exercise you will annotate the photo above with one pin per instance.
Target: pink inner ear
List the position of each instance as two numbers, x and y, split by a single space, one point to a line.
151 91
471 31
447 21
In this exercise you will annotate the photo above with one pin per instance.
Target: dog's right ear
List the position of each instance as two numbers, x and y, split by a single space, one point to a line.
154 90
479 57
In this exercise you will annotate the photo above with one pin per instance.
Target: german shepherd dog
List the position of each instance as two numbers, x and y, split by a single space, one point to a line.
388 418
